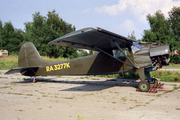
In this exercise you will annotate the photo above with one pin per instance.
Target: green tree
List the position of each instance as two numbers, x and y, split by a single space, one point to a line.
45 29
0 33
10 38
174 19
132 36
165 31
159 29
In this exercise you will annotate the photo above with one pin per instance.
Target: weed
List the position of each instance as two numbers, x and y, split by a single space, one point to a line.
159 95
44 95
80 118
175 87
124 98
36 90
29 94
18 118
15 93
21 110
68 97
86 77
177 108
95 79
135 106
18 94
5 87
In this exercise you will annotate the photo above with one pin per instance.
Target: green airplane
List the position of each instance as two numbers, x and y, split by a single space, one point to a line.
115 54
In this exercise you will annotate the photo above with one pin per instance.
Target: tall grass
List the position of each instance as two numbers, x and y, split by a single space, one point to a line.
173 65
10 62
167 76
54 59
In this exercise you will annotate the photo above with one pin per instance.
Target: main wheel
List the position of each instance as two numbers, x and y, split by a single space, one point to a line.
144 86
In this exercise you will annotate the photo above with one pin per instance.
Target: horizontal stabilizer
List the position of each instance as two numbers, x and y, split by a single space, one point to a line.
23 70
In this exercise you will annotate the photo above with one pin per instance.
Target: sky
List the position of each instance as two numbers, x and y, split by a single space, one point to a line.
119 16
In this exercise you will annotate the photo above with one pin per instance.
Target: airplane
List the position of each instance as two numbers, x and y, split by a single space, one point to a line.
115 54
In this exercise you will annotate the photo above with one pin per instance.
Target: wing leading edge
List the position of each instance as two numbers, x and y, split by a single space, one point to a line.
90 38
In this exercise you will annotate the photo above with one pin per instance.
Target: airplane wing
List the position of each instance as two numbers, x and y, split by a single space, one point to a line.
90 38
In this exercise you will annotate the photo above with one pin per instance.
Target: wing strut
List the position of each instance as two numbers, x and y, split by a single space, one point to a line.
124 54
113 57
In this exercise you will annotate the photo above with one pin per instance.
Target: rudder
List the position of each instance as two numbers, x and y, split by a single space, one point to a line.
30 57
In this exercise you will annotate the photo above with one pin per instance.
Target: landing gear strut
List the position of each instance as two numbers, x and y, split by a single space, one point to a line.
155 81
34 79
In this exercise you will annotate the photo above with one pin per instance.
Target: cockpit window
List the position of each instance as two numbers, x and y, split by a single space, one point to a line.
136 47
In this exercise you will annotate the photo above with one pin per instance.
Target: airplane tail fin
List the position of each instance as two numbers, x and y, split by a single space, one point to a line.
30 57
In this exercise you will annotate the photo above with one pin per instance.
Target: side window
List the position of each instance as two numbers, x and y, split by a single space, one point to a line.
117 53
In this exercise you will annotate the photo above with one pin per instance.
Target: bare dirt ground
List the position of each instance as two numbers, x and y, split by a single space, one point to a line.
94 98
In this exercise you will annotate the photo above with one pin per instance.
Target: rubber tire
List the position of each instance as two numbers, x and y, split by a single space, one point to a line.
144 86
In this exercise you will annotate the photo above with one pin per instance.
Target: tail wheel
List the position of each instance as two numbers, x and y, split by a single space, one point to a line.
144 86
34 80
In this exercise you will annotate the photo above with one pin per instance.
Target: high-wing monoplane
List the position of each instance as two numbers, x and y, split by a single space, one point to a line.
115 54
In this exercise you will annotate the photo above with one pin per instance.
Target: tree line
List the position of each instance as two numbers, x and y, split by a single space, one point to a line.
44 29
40 31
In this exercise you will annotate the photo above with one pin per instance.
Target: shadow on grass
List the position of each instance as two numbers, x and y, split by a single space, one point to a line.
86 85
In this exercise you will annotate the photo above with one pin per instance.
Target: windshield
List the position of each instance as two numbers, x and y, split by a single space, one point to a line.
136 47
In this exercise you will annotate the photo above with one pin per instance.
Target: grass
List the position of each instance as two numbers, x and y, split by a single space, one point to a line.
5 87
15 93
67 97
80 118
29 94
10 62
176 87
54 59
167 76
124 98
174 65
